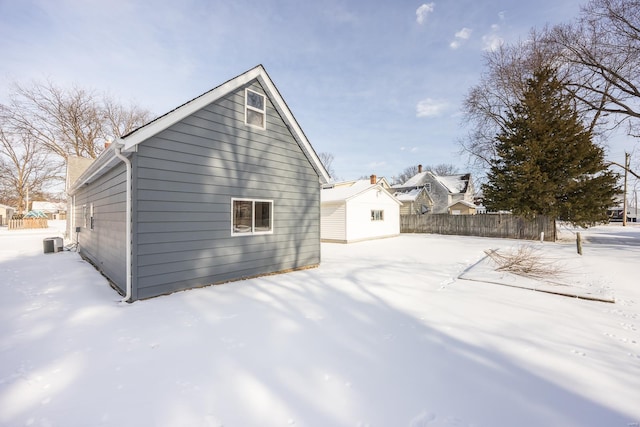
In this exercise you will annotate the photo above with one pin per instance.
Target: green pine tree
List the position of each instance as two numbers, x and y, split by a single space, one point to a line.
546 161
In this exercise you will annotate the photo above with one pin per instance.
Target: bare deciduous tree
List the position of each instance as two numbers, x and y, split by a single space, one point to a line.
405 175
442 169
25 168
327 162
597 57
603 48
71 121
488 104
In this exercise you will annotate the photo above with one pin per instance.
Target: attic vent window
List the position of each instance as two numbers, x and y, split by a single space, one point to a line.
255 109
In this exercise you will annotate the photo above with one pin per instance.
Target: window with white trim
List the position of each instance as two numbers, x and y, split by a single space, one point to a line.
427 186
377 215
91 212
85 214
251 216
255 109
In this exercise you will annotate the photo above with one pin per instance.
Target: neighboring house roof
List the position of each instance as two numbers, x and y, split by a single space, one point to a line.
6 207
129 141
48 206
344 191
455 184
463 202
410 195
383 181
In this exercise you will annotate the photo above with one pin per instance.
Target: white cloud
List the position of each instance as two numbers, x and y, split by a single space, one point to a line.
423 11
492 41
460 36
429 108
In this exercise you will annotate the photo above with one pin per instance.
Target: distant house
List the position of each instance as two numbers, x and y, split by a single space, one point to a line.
359 210
462 207
53 210
443 192
224 187
415 201
6 213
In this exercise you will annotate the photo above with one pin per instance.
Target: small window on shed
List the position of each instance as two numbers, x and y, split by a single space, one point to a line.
377 215
255 109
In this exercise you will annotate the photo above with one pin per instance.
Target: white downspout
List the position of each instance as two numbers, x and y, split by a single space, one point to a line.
118 152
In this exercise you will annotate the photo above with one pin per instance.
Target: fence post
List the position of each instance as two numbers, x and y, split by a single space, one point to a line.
579 243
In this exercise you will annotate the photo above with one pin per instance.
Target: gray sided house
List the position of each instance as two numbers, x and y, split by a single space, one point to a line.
224 187
442 191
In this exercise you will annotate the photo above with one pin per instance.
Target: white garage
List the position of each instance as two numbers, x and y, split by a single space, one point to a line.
358 210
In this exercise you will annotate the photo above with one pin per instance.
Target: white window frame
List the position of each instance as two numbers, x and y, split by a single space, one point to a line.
248 108
84 215
91 217
377 214
253 231
427 187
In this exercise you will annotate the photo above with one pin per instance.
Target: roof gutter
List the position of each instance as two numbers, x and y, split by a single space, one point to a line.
119 144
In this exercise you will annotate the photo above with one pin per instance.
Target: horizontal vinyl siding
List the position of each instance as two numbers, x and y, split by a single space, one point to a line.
186 177
105 245
333 222
359 223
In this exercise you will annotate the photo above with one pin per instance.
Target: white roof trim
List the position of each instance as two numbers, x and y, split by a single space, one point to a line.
145 132
463 202
357 193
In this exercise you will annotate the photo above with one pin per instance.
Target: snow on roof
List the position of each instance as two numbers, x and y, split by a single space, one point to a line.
48 206
345 190
408 196
454 183
463 202
416 181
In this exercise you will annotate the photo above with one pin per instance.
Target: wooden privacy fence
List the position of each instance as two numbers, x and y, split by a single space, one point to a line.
484 225
20 224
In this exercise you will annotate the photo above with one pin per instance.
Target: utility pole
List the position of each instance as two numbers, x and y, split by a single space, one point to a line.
627 158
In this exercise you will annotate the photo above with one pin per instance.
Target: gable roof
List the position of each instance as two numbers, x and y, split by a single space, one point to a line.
42 205
346 191
454 184
129 141
411 195
464 203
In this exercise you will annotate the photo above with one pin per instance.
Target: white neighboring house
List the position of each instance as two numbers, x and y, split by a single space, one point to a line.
6 213
358 210
53 210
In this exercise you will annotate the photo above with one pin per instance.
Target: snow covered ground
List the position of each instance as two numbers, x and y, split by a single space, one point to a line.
381 334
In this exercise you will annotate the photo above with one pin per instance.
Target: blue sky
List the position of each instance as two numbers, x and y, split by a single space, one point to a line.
379 84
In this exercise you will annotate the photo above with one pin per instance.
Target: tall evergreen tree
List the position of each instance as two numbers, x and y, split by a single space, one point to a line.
546 161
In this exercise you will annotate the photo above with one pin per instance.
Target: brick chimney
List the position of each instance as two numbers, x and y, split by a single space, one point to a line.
374 179
107 144
419 168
